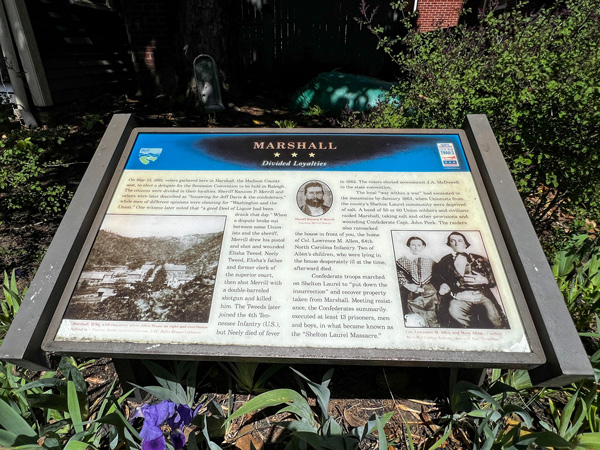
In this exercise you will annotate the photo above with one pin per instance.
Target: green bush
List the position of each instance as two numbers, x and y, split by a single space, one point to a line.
10 303
535 75
25 176
577 272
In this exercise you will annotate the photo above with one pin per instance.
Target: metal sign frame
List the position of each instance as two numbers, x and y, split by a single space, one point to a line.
527 271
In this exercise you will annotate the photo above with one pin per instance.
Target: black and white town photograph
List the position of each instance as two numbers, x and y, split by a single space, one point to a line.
446 280
150 268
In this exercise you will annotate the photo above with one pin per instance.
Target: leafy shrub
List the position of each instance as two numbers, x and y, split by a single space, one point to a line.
24 177
53 412
285 123
577 271
247 377
533 74
9 305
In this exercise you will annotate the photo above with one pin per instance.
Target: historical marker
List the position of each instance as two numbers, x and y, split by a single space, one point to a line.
406 247
378 246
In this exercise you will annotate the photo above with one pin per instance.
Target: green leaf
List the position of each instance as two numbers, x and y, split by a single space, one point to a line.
107 405
374 419
411 444
211 444
42 383
192 444
268 373
270 398
515 409
48 401
567 412
54 426
321 390
120 422
441 440
383 442
12 421
588 441
72 373
26 447
313 439
545 439
486 414
7 439
298 426
500 388
162 393
169 382
164 377
77 445
331 428
301 409
73 404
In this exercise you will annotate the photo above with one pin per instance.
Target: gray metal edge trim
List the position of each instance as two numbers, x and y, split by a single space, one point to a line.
567 359
533 339
301 355
22 344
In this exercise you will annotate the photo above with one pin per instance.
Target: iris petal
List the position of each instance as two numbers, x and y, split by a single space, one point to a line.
154 444
178 439
154 417
175 415
183 416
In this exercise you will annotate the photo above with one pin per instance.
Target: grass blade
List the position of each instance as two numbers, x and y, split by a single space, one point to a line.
73 404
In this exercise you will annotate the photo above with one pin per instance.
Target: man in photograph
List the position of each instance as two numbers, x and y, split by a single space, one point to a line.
313 199
419 297
464 281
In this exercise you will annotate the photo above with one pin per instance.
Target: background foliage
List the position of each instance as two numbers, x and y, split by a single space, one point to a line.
534 74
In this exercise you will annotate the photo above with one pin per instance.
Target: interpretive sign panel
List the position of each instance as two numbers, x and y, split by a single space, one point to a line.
378 246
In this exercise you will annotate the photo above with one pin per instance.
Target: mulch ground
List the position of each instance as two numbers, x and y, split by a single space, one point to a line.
417 396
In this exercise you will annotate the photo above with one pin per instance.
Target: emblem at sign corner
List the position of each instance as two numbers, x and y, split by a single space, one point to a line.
148 155
448 155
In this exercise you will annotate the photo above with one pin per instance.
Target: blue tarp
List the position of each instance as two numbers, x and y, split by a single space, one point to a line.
333 91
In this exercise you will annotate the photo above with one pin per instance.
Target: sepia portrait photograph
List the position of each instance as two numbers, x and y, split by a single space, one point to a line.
150 269
445 280
314 198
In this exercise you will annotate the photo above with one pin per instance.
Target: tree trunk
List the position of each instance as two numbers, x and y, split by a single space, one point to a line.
205 27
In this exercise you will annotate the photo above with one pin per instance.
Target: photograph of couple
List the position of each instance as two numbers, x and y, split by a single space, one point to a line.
446 280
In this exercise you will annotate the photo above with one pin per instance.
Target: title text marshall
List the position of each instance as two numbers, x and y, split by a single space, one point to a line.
291 145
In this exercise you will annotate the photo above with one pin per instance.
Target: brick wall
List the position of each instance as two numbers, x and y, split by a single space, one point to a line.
434 14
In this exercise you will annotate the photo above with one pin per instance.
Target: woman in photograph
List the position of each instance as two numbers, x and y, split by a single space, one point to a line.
419 298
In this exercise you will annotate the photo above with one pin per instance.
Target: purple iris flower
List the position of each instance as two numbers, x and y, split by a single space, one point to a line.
155 416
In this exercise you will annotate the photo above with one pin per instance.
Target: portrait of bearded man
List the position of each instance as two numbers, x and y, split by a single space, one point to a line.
314 199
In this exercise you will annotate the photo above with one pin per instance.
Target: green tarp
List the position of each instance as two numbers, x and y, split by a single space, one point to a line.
333 91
